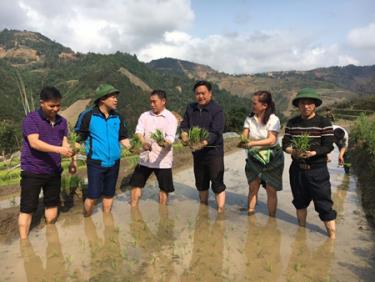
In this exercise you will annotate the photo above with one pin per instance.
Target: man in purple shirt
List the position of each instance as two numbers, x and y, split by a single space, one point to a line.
44 141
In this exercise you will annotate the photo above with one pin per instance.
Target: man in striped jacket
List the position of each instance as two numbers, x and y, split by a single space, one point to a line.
309 176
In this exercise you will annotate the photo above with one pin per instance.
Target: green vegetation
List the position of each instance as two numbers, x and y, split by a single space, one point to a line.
73 141
135 144
158 137
8 177
352 109
362 148
243 142
363 135
301 143
9 139
78 78
197 135
70 183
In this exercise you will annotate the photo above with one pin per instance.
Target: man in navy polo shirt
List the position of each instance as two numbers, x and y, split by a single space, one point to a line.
44 141
103 130
209 160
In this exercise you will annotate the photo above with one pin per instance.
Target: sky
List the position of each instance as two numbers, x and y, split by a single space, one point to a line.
232 36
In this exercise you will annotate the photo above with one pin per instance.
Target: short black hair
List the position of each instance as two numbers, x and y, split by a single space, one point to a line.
339 133
50 93
160 93
202 83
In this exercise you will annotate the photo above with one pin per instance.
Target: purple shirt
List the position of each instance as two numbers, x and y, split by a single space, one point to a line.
35 161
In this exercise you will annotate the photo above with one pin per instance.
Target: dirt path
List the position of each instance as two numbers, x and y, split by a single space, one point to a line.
188 242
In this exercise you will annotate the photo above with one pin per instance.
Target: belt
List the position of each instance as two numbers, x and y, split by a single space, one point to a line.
304 166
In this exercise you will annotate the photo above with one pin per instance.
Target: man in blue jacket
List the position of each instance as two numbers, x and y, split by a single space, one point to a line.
102 129
209 160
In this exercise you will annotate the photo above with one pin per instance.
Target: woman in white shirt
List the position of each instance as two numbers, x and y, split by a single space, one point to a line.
265 161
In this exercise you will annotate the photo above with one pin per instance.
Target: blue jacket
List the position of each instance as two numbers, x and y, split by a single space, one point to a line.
101 135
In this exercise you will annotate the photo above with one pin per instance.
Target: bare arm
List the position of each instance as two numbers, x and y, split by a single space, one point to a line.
269 141
245 132
341 155
42 146
146 146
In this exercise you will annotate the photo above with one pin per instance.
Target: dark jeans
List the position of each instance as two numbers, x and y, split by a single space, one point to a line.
312 184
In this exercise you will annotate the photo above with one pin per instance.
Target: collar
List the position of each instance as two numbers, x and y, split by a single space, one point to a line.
97 111
163 113
58 118
204 108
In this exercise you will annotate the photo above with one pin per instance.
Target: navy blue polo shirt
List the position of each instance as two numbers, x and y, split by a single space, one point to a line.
211 118
35 161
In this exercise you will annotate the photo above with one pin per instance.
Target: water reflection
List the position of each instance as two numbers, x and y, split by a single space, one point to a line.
208 247
55 269
262 249
154 253
106 261
310 262
339 197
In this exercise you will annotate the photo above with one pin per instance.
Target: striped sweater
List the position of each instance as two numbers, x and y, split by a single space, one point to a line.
320 132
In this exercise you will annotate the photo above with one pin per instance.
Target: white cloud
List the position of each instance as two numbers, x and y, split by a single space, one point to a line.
257 52
363 37
101 26
155 29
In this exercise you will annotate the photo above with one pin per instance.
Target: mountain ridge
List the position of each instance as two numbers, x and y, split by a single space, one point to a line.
32 60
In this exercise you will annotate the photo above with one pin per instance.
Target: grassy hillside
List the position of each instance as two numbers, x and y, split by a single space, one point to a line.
78 75
335 84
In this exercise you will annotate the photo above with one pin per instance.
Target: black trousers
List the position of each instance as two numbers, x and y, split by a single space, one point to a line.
209 169
312 185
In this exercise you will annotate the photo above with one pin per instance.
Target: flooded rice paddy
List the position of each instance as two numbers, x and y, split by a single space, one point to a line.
186 241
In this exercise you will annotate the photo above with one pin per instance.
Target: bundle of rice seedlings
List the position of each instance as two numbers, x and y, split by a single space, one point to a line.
158 137
135 144
301 143
196 136
70 183
73 141
243 142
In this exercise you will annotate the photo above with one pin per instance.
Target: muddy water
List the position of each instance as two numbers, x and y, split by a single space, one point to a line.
189 242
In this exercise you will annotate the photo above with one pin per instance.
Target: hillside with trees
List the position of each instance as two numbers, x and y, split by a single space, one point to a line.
29 61
77 75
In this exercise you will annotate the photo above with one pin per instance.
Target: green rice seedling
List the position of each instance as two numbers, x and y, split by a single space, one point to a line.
73 139
301 143
135 144
243 142
268 267
196 136
158 137
70 183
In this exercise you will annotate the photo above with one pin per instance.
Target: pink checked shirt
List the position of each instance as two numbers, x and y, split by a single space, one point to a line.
148 122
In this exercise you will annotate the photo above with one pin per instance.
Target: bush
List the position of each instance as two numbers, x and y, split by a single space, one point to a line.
363 135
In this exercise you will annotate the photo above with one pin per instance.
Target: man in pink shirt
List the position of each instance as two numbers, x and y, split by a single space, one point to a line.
156 158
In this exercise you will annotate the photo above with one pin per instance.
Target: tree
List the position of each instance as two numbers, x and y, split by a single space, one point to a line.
9 141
